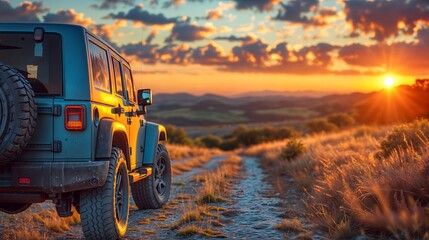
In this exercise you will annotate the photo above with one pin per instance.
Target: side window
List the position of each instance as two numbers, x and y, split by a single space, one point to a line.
129 82
100 67
118 77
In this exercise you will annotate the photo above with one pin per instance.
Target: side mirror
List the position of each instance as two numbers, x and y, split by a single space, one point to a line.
144 97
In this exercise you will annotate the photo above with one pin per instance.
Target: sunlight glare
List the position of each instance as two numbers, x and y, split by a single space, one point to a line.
389 81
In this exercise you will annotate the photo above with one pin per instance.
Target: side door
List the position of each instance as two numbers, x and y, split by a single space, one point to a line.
133 120
120 93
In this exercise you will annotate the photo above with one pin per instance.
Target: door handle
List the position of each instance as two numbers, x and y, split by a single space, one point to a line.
118 110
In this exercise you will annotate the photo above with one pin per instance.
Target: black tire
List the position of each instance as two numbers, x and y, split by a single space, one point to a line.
18 113
14 208
153 192
104 211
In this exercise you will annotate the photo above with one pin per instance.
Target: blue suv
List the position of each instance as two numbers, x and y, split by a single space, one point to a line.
72 129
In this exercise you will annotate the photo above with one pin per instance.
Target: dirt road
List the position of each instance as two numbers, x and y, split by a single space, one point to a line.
249 210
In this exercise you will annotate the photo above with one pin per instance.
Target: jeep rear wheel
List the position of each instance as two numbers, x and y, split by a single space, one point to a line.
17 113
104 211
153 192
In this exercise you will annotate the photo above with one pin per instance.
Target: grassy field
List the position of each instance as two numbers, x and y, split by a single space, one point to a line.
349 190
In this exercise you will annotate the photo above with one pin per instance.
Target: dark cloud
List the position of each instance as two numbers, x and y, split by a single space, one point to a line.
282 51
189 32
151 36
68 16
145 52
175 54
111 4
137 14
383 19
233 38
211 54
251 54
399 57
295 11
24 12
260 5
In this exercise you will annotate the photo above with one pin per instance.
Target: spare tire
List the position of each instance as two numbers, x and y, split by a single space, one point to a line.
17 111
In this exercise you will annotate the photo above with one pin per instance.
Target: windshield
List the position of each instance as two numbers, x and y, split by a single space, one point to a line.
40 63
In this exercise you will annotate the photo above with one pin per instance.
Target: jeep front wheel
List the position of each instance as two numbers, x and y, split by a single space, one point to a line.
104 211
153 192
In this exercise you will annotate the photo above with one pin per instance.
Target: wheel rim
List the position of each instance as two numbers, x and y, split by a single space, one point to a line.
160 177
120 197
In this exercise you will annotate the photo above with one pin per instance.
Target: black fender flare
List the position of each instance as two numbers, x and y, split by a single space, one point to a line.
154 134
107 130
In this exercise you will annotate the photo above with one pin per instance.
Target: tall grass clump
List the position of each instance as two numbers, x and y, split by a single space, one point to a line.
293 149
360 193
412 135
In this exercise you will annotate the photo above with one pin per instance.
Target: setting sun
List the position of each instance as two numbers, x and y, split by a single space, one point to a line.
389 81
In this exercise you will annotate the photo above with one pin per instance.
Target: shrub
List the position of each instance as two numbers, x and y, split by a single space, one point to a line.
294 148
210 141
177 135
341 120
229 144
321 125
412 135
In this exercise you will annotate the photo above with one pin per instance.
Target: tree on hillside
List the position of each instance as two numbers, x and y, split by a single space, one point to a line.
177 135
321 125
341 120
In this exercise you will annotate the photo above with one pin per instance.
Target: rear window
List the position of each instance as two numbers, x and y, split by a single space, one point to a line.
40 63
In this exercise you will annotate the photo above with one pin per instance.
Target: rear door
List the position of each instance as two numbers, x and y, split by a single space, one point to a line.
41 64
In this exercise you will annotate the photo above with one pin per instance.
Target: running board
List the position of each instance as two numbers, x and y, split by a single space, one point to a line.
140 174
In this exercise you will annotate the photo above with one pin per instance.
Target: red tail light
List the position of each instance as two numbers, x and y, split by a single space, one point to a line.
75 118
24 180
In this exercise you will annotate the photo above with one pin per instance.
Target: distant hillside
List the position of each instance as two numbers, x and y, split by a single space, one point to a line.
183 109
265 93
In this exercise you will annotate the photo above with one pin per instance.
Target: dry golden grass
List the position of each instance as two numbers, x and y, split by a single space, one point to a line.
215 183
37 223
290 225
192 230
351 192
180 151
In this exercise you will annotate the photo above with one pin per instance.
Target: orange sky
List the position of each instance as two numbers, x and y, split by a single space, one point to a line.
235 46
205 80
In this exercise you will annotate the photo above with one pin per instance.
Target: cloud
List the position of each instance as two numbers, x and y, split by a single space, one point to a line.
175 3
24 12
295 11
400 57
211 54
151 36
175 54
260 5
111 4
219 12
234 38
251 53
107 32
190 32
137 14
383 19
68 16
143 51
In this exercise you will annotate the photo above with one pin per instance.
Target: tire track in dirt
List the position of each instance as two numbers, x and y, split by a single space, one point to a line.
155 223
252 212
